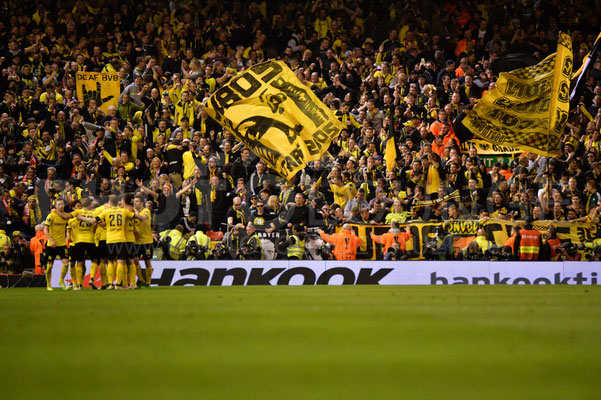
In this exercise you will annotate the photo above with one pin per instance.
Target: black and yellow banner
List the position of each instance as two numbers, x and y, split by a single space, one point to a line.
100 86
464 231
529 107
485 148
275 116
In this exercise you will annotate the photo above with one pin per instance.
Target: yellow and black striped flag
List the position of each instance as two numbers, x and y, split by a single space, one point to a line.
529 107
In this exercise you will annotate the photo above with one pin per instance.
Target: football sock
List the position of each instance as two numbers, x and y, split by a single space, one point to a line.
93 270
64 270
120 273
148 274
141 280
48 274
110 272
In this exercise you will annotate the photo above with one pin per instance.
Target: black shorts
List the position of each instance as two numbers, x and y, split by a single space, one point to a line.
130 249
56 253
144 251
82 251
117 251
100 251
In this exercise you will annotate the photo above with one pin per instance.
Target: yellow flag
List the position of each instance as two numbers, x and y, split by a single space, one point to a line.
101 86
390 154
529 107
275 116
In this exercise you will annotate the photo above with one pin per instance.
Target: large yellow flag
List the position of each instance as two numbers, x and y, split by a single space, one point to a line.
277 117
529 107
101 86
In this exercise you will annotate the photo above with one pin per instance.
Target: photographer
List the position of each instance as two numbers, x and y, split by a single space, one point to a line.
173 243
394 252
198 245
251 247
22 256
232 241
295 244
441 246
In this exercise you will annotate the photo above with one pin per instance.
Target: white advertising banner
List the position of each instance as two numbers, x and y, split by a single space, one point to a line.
283 272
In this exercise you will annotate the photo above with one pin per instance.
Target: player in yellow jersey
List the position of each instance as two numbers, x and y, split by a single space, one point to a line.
100 258
115 219
144 239
55 229
130 245
71 240
85 246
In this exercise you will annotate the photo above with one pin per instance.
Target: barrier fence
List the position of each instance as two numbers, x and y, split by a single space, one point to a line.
284 272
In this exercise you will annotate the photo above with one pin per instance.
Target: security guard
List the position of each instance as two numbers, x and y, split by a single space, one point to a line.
253 249
201 239
174 239
345 243
528 242
296 244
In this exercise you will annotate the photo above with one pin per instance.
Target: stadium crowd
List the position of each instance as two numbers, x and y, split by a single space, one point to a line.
409 69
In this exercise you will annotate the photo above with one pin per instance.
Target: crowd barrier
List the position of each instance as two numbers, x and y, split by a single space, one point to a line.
463 232
284 272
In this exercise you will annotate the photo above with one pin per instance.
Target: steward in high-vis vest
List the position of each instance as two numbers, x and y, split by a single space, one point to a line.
173 243
252 248
393 235
550 250
199 238
296 244
529 242
345 243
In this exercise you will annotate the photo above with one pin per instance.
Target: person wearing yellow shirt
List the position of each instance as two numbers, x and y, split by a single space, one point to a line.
342 193
130 245
99 258
144 238
55 229
83 244
115 219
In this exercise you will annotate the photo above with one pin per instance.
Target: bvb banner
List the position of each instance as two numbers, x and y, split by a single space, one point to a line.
529 107
275 116
464 231
489 149
101 86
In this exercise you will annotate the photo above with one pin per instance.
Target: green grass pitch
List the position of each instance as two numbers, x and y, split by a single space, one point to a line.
318 342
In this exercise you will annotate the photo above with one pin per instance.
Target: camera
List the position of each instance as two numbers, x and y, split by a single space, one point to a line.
568 249
219 252
495 253
194 251
325 251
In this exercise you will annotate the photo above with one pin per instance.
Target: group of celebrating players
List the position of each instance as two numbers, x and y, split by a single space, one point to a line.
114 236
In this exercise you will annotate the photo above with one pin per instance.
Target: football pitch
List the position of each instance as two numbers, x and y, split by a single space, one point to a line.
311 342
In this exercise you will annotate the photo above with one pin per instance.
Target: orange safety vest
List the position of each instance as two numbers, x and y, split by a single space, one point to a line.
529 245
389 238
345 244
555 245
37 245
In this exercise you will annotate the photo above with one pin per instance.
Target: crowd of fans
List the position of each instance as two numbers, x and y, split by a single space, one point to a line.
409 69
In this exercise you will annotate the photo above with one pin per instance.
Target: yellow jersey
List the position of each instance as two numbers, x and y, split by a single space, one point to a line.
144 228
57 228
100 230
130 237
72 232
84 231
116 219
